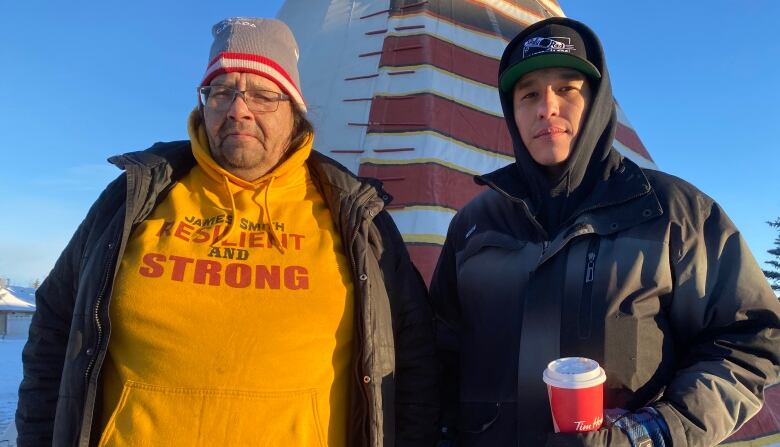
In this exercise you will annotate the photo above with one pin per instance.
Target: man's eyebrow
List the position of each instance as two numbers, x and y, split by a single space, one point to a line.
566 76
523 84
263 89
572 75
252 86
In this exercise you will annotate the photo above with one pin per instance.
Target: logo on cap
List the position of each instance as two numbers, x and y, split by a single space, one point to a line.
537 45
233 21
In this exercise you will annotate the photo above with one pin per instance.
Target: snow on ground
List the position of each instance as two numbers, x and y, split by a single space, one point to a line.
10 377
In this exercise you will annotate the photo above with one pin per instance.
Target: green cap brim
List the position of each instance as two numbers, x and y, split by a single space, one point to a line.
512 74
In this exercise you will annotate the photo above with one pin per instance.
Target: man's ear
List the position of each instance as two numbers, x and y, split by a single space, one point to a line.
592 85
200 116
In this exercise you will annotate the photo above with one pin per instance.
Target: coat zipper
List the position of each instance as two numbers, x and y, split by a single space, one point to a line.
89 404
361 328
357 276
545 245
587 289
591 266
96 312
110 266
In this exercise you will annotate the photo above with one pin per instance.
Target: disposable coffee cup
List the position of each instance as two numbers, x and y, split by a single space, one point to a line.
575 387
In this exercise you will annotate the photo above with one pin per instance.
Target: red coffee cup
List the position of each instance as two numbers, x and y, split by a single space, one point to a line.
575 386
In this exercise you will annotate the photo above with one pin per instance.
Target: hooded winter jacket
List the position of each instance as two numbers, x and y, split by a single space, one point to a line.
633 268
392 390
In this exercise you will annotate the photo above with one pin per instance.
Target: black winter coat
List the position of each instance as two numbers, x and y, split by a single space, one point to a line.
393 389
653 281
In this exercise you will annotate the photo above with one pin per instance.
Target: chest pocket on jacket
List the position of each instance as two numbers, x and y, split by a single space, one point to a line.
491 267
492 270
613 297
582 268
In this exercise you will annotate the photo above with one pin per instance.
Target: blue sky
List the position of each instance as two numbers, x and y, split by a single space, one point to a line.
86 80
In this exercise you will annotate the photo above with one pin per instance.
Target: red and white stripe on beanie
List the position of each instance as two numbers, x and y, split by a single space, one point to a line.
265 47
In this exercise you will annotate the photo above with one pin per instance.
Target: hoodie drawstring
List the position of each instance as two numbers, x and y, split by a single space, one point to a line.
268 217
233 212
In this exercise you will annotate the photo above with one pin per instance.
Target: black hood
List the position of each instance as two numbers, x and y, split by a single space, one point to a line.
554 200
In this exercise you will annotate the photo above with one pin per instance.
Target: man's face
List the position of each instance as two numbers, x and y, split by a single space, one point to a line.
248 144
550 105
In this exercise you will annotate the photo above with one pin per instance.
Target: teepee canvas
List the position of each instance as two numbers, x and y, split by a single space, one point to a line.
405 91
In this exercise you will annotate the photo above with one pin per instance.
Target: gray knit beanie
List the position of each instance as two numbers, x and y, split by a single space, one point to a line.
265 47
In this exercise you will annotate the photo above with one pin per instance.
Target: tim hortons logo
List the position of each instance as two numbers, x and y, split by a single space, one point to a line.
585 426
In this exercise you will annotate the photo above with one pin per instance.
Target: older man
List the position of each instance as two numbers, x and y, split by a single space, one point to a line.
574 251
238 288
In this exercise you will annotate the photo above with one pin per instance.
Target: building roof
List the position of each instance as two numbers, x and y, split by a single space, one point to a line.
17 299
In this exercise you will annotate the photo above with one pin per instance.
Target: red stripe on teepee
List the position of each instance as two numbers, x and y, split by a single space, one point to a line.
480 26
628 137
424 184
486 18
424 257
440 54
426 111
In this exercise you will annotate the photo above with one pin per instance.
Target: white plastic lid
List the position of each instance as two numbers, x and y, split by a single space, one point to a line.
574 372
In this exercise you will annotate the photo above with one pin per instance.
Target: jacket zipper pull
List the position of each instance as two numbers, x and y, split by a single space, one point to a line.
591 267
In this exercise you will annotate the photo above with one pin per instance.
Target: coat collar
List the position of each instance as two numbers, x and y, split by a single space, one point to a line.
340 187
626 185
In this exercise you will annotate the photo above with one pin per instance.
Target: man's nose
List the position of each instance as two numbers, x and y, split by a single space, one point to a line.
548 106
238 109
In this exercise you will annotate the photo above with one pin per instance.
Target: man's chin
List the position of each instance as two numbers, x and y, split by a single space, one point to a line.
238 146
550 155
238 156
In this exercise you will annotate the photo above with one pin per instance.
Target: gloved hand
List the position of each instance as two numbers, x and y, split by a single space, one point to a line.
606 436
621 429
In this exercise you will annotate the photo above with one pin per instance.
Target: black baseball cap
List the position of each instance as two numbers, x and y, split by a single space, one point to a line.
553 45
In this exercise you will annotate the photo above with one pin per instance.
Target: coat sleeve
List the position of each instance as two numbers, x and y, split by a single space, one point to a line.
43 355
726 321
416 404
444 296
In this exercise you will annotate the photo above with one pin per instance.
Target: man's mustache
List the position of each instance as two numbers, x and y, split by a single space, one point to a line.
230 128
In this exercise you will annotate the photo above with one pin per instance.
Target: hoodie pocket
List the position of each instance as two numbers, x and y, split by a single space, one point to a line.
158 415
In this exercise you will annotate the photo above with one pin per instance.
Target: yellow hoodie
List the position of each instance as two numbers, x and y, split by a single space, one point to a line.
221 336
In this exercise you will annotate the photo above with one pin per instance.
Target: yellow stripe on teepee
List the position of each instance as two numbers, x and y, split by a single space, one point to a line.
766 441
412 208
423 238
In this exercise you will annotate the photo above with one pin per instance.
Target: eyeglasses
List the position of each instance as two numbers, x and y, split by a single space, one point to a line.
220 98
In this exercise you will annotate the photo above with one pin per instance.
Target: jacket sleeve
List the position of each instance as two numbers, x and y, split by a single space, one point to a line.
43 355
416 404
726 321
444 296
